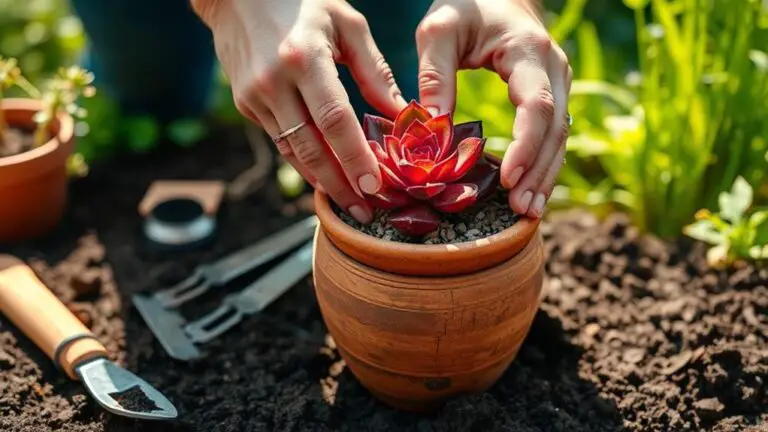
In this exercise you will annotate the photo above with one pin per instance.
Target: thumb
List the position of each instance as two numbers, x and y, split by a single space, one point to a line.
371 72
438 63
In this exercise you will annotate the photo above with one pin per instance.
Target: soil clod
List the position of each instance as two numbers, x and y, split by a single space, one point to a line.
134 399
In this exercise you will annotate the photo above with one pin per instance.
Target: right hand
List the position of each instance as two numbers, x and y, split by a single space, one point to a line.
280 57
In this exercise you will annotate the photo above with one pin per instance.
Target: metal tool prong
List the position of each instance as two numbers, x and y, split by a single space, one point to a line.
193 286
236 264
253 298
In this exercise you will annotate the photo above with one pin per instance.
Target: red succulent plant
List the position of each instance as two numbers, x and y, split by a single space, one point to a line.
428 166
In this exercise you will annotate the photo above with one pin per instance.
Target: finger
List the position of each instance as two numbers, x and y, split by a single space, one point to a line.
549 180
368 67
438 60
309 150
269 124
243 106
330 109
533 182
524 67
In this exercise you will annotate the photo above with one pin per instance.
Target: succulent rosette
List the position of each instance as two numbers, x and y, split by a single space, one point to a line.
429 166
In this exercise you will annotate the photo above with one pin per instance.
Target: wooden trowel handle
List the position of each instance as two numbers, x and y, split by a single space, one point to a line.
28 303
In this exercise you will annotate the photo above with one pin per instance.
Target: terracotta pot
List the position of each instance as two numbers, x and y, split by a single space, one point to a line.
419 324
33 185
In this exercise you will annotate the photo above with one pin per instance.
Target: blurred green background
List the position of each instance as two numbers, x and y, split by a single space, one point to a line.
670 101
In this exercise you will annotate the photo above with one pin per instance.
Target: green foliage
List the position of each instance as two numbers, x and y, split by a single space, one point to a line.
62 93
290 182
42 34
735 232
694 120
9 76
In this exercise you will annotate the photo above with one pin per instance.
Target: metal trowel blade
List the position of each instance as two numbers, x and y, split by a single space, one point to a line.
168 326
107 381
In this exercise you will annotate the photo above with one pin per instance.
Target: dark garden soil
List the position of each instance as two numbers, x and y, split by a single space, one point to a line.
633 334
15 141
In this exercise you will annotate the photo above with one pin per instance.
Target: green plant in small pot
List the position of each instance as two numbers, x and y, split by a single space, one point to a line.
434 298
36 145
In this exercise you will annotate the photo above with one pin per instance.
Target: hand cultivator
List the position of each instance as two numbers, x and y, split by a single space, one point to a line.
180 337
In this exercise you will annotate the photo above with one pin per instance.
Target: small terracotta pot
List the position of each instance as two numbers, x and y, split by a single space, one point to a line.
33 185
419 324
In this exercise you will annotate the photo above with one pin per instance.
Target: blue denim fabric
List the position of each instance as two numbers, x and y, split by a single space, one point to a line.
151 56
155 56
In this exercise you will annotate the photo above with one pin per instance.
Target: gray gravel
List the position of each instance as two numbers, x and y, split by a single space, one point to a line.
482 220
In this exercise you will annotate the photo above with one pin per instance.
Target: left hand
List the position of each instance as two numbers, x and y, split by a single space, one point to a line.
508 37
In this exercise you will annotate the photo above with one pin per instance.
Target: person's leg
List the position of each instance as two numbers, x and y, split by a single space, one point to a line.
153 57
393 25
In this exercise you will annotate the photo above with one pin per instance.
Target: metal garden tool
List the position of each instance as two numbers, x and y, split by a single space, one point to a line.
30 306
179 337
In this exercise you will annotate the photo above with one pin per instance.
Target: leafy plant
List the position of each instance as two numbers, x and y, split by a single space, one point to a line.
10 75
735 232
62 94
428 166
694 118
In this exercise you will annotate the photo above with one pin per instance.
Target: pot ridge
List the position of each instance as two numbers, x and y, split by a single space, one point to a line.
424 260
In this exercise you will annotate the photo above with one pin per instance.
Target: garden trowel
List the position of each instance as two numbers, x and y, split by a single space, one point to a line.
28 303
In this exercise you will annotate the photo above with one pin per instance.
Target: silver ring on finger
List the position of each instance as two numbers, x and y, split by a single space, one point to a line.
569 119
288 132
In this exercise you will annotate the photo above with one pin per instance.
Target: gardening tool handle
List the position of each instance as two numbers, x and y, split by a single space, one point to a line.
39 314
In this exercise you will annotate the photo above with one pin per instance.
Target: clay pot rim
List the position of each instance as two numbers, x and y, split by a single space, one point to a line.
511 238
65 126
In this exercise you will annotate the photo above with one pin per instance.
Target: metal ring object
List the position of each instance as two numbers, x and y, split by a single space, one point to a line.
290 131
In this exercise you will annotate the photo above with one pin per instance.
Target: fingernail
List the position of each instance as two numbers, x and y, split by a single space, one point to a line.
368 184
360 214
525 200
433 110
538 205
515 177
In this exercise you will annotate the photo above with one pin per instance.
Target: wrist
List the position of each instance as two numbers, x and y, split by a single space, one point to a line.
207 10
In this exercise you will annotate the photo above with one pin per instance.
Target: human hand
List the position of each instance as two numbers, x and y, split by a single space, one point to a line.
508 37
280 56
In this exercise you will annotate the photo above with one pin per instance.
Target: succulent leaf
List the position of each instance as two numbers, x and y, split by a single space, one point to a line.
391 179
413 174
486 177
375 127
444 169
381 155
466 156
416 220
412 112
389 199
418 130
442 127
425 192
456 197
466 130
